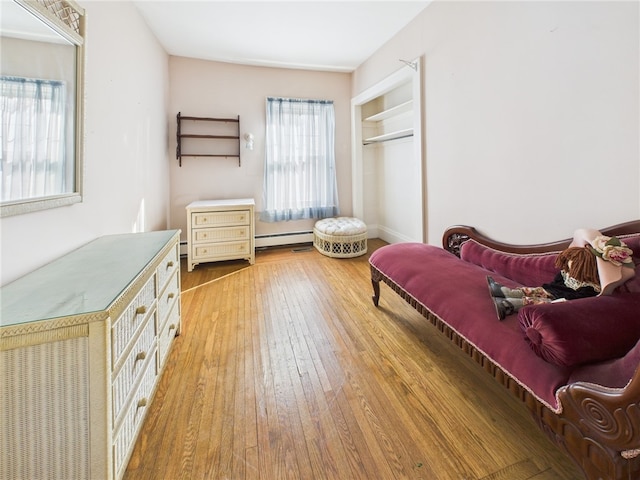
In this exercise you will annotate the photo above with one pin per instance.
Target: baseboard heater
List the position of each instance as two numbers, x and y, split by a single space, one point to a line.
279 239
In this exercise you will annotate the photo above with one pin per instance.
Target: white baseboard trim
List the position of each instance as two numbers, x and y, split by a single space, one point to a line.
391 236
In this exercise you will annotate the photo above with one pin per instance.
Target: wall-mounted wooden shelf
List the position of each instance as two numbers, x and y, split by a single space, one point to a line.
207 137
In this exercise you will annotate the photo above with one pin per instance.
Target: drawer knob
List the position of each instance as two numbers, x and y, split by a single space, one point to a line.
141 309
142 402
172 326
141 356
171 295
169 264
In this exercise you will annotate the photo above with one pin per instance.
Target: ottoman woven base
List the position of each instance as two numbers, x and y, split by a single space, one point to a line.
341 237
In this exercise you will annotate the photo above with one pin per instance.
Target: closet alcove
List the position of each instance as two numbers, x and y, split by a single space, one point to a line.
388 168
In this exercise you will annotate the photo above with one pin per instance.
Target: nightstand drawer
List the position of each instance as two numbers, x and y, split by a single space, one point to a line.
221 234
213 250
220 219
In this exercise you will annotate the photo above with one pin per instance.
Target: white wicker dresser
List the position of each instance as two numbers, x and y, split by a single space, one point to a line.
83 341
220 230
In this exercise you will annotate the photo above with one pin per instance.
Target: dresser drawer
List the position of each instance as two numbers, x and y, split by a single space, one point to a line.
126 325
220 219
213 250
221 234
132 417
133 365
167 267
167 299
167 334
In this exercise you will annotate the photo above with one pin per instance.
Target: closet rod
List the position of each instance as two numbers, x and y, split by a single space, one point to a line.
382 140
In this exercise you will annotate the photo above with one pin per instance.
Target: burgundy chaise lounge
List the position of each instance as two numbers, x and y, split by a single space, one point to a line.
573 364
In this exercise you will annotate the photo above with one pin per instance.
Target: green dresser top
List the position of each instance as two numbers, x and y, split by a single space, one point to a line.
84 281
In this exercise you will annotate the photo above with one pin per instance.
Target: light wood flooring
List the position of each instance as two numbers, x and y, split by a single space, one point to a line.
286 370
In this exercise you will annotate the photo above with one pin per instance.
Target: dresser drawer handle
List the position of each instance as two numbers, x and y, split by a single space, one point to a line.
141 309
169 264
171 295
141 356
142 402
172 326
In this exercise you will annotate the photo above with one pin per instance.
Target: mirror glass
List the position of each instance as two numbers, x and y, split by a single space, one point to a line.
40 83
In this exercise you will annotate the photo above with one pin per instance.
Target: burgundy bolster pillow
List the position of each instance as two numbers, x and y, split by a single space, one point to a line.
583 331
530 270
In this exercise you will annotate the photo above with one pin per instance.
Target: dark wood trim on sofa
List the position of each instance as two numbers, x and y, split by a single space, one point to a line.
598 427
456 235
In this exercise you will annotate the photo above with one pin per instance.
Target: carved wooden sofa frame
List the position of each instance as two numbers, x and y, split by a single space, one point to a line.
599 427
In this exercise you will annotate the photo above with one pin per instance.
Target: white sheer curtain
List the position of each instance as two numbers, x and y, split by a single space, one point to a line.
32 138
300 165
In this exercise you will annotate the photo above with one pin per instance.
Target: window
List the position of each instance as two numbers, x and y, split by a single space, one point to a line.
300 168
32 161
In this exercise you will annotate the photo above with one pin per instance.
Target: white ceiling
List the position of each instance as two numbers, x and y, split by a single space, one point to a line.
315 35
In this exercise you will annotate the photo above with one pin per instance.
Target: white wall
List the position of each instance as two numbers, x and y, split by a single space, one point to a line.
397 165
223 90
126 175
532 118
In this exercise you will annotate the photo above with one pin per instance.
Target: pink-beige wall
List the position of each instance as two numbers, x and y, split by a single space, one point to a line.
223 90
126 171
531 124
531 114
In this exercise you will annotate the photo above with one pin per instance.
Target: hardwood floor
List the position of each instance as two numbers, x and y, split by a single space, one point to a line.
285 369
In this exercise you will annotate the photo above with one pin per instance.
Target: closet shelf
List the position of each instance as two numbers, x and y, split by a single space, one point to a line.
385 137
391 112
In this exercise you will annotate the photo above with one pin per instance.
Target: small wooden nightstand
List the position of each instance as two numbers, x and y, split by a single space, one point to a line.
220 230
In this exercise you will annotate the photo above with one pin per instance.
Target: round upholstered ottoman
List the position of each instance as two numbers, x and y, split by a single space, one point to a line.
340 237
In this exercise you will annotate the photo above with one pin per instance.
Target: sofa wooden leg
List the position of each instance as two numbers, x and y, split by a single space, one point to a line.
376 291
